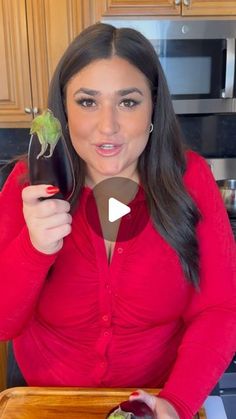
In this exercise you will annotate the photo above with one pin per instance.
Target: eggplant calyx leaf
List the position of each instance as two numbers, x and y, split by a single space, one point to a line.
120 414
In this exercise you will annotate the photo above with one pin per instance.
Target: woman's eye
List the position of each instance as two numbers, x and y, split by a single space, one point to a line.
129 103
86 103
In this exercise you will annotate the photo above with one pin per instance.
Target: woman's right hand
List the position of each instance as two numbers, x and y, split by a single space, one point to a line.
161 408
48 220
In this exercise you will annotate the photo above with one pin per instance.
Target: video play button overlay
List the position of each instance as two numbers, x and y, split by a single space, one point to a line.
116 209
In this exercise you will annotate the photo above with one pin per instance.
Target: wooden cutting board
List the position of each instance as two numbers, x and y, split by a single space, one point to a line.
67 403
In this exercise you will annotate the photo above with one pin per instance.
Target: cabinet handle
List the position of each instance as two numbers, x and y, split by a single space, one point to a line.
35 111
177 2
28 110
228 90
186 3
32 111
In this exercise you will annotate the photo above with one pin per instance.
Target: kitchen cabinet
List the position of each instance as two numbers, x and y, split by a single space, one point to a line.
135 8
33 36
15 89
208 8
113 8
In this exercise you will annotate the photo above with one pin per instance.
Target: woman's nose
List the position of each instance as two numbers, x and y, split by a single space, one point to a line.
108 121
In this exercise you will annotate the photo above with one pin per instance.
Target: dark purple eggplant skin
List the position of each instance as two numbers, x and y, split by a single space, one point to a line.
139 409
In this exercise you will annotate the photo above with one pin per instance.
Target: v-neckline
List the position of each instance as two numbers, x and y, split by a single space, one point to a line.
110 254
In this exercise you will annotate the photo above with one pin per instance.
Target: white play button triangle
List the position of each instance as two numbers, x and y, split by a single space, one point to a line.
116 209
109 201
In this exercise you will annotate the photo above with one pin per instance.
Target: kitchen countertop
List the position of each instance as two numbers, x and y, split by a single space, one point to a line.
68 402
215 408
43 402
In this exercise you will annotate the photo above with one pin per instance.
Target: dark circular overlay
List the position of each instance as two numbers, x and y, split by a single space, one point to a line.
106 199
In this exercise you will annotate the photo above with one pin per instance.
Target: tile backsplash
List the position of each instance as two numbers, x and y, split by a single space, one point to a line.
13 142
212 136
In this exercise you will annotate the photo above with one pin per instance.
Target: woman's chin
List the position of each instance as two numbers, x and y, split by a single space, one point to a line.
108 173
102 173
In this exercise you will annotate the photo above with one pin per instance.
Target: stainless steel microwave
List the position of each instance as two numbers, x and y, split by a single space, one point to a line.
198 58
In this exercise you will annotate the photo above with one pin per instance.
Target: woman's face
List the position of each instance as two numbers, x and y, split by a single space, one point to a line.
109 107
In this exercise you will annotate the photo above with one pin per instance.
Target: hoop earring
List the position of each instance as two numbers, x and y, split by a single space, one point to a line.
151 128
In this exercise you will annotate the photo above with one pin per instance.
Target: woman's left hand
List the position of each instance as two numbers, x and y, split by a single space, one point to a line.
161 407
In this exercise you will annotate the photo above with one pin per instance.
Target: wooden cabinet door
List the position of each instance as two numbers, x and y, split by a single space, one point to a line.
102 8
33 36
15 88
208 7
52 25
3 365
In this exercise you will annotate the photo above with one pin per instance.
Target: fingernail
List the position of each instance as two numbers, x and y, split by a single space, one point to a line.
52 190
135 393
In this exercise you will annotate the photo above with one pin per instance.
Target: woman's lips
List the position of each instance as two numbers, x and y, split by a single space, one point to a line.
108 150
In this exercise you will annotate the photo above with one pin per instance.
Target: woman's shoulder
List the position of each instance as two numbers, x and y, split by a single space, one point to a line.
198 177
197 168
200 182
194 159
20 167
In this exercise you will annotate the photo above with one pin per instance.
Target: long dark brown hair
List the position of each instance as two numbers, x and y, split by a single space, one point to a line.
162 164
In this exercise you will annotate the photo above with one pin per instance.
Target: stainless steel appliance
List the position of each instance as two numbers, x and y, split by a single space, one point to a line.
198 58
228 192
224 170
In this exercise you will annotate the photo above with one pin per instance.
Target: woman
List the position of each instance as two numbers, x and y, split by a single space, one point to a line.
157 310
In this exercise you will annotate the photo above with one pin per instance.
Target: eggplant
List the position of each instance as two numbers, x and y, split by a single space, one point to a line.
53 168
135 409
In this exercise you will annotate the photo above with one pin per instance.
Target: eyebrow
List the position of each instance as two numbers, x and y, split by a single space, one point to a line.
90 92
122 92
125 92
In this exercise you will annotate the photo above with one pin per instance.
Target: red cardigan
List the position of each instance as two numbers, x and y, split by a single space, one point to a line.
77 321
